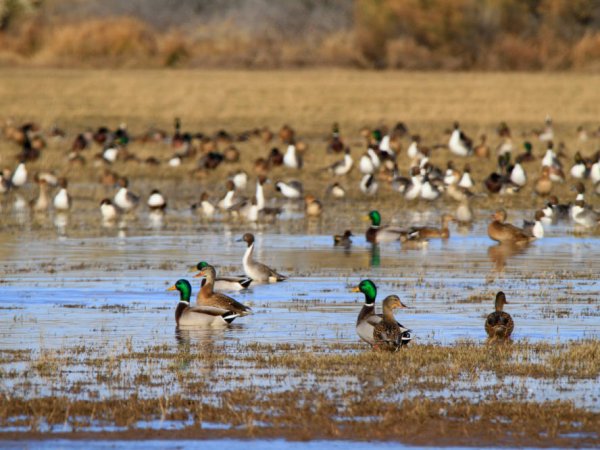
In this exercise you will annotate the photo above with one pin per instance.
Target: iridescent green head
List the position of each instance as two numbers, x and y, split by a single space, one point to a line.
184 288
375 218
202 265
368 288
528 147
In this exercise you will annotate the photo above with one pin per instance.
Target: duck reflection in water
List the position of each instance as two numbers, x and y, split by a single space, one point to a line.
500 253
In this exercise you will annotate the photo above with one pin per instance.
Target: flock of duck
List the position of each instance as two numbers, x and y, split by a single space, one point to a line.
378 164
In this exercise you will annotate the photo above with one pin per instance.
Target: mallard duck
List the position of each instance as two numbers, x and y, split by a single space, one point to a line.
430 232
459 143
206 316
124 199
343 240
499 324
335 141
225 283
62 200
503 232
256 270
156 201
208 297
376 234
389 334
367 320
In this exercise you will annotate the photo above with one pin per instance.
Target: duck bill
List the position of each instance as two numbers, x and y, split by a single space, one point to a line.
366 219
199 275
172 288
356 289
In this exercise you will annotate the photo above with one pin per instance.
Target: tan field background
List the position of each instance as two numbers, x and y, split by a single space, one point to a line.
308 100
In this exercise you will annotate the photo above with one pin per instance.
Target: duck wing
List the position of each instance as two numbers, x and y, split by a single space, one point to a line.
225 303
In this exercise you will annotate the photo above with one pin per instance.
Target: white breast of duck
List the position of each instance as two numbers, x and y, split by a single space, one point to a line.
207 208
456 145
595 173
429 191
538 230
124 199
366 165
578 170
227 201
368 185
549 157
108 210
289 190
249 268
450 177
290 158
62 201
414 188
240 180
110 154
466 181
518 176
344 168
19 178
156 200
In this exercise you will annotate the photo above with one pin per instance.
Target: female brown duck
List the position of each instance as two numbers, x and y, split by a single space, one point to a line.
499 324
208 297
500 231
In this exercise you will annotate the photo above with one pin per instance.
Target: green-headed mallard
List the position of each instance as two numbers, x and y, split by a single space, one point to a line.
208 297
225 283
377 234
368 321
499 324
259 272
206 316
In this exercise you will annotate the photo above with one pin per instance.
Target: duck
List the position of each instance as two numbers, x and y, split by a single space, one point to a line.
499 324
227 201
19 177
343 240
584 216
595 169
500 231
205 316
275 158
518 175
547 134
464 213
452 175
259 272
335 143
43 200
343 167
312 206
227 283
240 179
482 150
367 320
535 228
543 185
389 334
108 211
466 181
156 201
459 144
336 190
291 158
429 232
557 210
204 206
208 297
527 155
124 199
429 191
376 234
369 162
368 184
412 190
414 151
62 200
292 189
579 169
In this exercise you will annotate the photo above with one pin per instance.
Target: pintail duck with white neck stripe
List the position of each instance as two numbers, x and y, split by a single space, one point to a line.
259 272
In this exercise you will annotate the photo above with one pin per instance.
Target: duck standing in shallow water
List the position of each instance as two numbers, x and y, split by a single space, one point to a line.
259 272
367 321
208 297
62 200
500 231
376 234
200 316
124 199
499 324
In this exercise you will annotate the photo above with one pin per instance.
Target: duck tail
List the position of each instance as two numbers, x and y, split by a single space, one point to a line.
246 283
229 316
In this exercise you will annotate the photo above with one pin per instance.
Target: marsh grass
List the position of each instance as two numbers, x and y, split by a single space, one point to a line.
307 391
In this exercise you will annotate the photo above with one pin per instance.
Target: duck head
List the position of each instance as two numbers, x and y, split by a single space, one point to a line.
248 238
374 217
368 288
393 302
184 288
500 301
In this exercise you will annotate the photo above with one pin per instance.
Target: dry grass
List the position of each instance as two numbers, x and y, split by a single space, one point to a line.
293 390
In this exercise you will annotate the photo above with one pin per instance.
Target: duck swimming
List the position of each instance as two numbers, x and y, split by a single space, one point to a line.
367 320
225 283
500 231
376 234
257 271
204 316
208 297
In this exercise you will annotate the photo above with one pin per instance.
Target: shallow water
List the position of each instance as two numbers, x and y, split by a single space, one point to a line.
61 290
